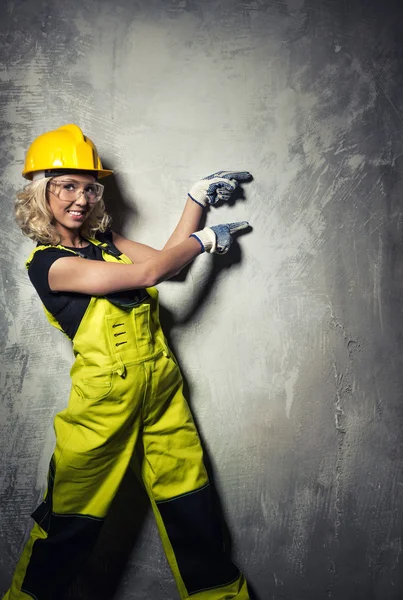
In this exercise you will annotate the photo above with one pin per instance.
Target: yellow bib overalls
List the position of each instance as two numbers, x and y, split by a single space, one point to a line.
125 383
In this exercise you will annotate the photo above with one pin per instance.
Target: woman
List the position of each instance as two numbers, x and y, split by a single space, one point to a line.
96 286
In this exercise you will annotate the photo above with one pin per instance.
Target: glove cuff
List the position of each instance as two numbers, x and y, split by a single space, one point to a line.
207 239
198 195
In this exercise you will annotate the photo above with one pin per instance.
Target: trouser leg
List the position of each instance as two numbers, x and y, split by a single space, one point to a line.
181 496
95 439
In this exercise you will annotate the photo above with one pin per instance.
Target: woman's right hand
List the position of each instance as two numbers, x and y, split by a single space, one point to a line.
218 186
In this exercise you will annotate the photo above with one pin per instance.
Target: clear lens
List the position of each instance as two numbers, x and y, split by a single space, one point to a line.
70 190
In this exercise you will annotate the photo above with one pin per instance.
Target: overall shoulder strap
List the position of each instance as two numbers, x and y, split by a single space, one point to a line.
111 252
106 246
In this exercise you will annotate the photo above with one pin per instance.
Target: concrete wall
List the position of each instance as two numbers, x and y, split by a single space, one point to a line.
291 346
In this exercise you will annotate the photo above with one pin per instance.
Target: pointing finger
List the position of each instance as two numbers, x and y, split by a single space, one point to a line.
237 226
238 175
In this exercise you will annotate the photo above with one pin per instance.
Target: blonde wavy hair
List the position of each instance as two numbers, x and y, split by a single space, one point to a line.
34 217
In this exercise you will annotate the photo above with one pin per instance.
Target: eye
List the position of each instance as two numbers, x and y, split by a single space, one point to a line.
70 187
91 189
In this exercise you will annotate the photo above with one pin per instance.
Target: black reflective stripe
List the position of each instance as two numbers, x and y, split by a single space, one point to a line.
69 543
195 532
70 540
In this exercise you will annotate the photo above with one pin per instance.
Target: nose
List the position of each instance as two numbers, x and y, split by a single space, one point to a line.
81 200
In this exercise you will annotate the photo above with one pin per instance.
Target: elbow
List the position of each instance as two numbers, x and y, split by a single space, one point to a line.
152 276
155 275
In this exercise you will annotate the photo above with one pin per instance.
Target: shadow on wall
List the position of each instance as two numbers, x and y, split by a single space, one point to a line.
104 570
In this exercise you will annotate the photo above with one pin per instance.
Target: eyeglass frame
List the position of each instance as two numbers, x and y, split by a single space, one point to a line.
81 192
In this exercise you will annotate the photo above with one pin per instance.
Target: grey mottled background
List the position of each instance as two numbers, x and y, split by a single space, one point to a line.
292 346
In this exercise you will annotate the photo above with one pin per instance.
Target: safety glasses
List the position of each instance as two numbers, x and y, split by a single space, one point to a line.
70 190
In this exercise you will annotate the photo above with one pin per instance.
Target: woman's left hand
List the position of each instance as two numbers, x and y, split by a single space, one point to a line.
218 186
218 238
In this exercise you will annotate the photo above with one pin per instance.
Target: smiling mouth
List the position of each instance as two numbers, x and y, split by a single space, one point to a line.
76 213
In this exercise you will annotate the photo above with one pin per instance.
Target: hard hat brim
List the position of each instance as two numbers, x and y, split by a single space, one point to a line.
99 173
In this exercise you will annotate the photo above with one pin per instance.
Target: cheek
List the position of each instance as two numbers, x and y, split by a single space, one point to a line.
53 206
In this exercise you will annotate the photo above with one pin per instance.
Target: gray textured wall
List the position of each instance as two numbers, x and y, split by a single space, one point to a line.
291 347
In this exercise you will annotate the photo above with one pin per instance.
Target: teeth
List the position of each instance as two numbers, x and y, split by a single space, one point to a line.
75 212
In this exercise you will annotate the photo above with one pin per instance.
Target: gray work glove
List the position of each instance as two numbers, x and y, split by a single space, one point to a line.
218 186
218 238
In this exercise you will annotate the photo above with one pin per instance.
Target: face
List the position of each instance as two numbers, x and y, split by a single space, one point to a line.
69 211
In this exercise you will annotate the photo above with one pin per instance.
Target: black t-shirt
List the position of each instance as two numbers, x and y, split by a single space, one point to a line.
68 308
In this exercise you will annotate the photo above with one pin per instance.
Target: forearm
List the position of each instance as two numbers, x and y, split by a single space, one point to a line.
188 223
172 260
98 278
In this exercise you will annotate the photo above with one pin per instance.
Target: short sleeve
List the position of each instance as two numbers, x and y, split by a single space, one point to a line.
38 270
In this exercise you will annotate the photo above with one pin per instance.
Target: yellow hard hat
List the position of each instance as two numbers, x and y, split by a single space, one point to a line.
62 150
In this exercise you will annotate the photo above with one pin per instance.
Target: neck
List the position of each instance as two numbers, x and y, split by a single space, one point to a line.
74 240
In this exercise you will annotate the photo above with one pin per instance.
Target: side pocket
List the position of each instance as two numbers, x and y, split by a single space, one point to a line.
96 387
